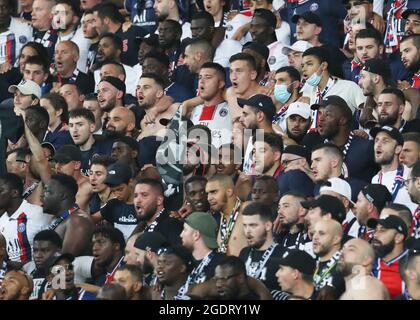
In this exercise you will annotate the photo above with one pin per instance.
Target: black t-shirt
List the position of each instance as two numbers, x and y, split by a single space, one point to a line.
101 147
91 56
94 203
330 276
209 270
39 279
169 227
121 214
84 82
290 241
411 126
130 41
268 273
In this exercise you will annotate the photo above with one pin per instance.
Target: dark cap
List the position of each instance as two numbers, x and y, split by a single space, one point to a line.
206 224
52 261
118 173
390 222
299 260
297 150
258 48
328 204
261 102
394 133
117 83
377 194
68 153
267 15
379 67
132 143
49 146
309 17
150 241
181 252
333 100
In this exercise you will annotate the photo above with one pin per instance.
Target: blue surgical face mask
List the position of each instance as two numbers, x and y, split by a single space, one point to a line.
314 80
281 93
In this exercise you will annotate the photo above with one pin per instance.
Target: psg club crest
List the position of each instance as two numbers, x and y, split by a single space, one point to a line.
314 7
23 39
21 227
229 27
223 112
272 60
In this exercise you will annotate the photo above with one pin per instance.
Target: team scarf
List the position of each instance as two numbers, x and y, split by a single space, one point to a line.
56 222
355 65
415 225
110 276
398 181
394 31
226 228
320 95
321 276
254 269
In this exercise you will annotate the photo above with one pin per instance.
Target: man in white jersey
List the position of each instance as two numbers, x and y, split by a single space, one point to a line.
214 113
388 145
20 221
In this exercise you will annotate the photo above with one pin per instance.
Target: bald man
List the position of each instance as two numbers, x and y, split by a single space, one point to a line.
123 121
66 56
326 245
355 265
222 199
16 285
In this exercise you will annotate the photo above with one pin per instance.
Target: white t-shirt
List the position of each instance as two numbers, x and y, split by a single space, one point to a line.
233 25
348 90
387 179
225 50
20 229
283 33
13 39
217 119
248 158
354 229
276 58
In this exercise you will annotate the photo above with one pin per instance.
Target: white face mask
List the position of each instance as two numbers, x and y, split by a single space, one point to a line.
278 4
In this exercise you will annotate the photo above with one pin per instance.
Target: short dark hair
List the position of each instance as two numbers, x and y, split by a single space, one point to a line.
108 10
58 103
113 234
193 179
204 45
71 4
114 63
102 160
68 183
51 236
235 263
403 211
291 71
269 180
174 25
159 56
321 53
40 116
415 37
370 33
412 137
263 210
245 57
13 181
20 152
38 60
157 78
116 40
205 16
41 51
135 271
295 194
155 184
415 170
82 113
215 66
396 92
329 148
275 141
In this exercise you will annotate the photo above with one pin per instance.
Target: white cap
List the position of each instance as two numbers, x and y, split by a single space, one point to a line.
27 87
299 46
300 108
339 186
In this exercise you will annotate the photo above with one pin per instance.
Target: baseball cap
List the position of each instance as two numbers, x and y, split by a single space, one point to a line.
49 146
68 153
267 15
379 67
340 186
390 222
299 260
150 241
115 82
329 204
27 87
377 194
308 16
181 252
298 46
257 47
297 150
300 108
52 261
261 102
394 133
205 223
334 100
118 173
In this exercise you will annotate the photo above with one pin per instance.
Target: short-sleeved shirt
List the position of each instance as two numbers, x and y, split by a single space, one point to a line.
20 228
169 227
59 137
121 214
101 147
13 39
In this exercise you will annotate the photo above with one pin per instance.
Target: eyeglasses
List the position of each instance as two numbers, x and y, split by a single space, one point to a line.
407 181
285 163
355 4
224 279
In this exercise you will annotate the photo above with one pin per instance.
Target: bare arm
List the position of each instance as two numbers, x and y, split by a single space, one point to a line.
189 105
78 235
